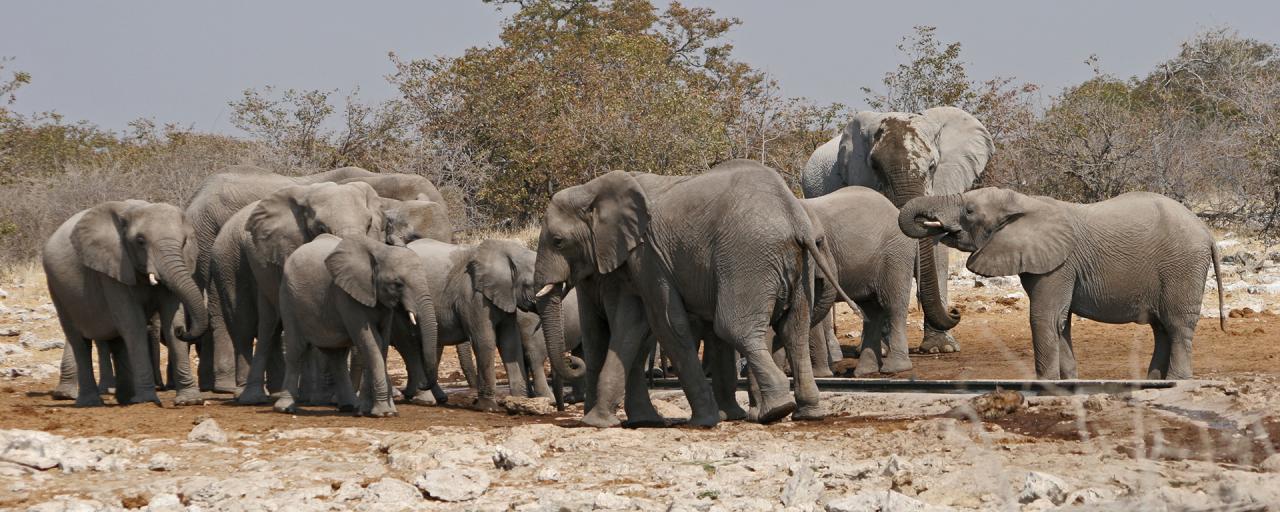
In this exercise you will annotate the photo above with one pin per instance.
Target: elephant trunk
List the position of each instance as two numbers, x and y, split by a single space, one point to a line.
925 217
424 312
549 308
177 277
905 188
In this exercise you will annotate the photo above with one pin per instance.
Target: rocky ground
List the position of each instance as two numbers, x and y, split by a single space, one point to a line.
1203 445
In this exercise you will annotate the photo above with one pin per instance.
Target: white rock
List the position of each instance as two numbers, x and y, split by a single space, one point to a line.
11 470
507 459
38 450
610 501
165 502
69 504
895 465
33 342
880 501
548 475
390 491
207 432
11 349
1087 496
453 484
802 488
3 294
9 331
162 462
536 406
1271 464
1043 485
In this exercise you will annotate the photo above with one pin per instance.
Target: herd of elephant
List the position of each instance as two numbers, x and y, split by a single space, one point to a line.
292 289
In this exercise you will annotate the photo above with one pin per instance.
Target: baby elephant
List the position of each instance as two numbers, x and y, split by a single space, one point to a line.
1136 258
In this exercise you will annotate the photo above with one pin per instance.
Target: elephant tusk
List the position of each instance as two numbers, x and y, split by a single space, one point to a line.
413 319
931 224
153 279
545 290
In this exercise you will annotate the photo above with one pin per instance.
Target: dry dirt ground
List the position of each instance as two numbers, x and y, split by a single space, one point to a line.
1203 445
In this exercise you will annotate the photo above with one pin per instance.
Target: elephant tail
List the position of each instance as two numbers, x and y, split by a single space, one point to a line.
1217 276
824 266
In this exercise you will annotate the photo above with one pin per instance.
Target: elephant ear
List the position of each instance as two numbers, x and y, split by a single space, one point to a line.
493 273
351 265
1035 238
373 203
98 237
276 226
964 147
619 215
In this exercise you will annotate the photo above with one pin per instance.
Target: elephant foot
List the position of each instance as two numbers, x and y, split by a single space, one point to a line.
655 422
938 342
285 405
143 399
346 407
65 392
809 413
772 410
383 409
895 364
867 364
822 371
396 394
600 420
487 405
252 395
188 397
89 400
423 397
704 420
224 387
732 412
572 397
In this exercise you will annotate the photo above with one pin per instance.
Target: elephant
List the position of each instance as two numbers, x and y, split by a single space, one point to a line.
248 259
1136 258
109 269
218 198
729 252
405 187
338 293
940 151
414 219
875 262
483 294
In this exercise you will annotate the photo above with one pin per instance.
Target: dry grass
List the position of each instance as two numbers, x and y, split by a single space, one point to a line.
526 235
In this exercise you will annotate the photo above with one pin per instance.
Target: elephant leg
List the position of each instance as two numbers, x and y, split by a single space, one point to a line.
724 377
481 333
275 365
68 371
1180 331
417 390
155 338
106 367
377 401
294 354
834 352
85 388
595 345
891 326
132 326
511 350
179 357
535 350
1160 353
336 360
794 334
126 390
818 346
1050 297
254 391
633 348
467 362
937 341
1066 353
773 397
229 344
670 323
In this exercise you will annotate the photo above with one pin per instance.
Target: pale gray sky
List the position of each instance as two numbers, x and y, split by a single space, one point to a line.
179 61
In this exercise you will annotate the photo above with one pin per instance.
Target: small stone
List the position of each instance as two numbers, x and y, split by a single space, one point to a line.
548 475
1271 464
802 488
9 332
507 459
389 491
453 484
4 294
208 432
162 462
165 502
33 342
610 501
883 501
1086 496
536 406
39 450
1043 485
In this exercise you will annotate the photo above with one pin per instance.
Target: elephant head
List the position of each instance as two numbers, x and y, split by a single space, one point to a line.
390 278
502 271
589 229
1007 233
140 243
295 215
414 220
939 151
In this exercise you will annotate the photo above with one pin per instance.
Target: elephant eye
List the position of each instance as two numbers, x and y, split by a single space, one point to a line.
140 239
557 241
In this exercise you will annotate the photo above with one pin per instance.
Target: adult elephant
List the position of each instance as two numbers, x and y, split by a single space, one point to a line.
940 151
218 198
480 293
343 293
248 260
110 269
730 249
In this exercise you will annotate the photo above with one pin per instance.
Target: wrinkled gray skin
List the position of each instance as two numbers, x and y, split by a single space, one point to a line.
248 259
940 151
1136 258
480 293
677 253
110 269
342 293
875 262
412 220
405 187
218 198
